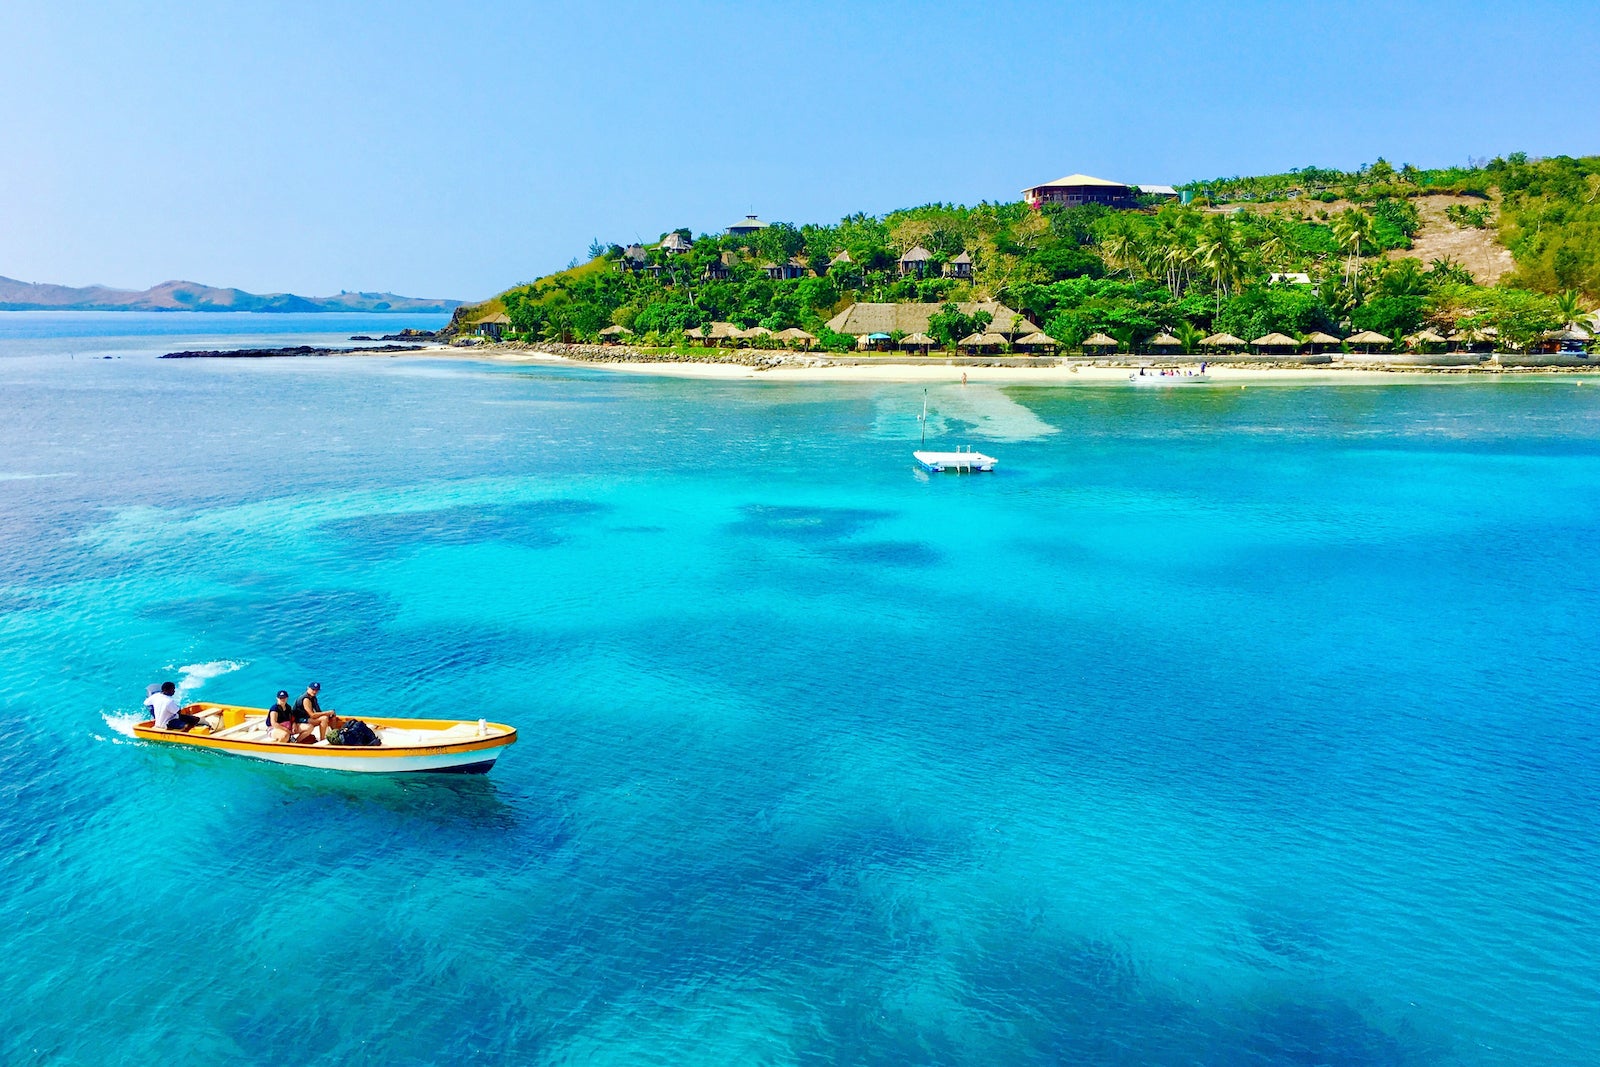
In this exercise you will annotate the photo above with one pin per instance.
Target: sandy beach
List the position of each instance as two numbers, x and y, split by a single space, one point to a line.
1053 376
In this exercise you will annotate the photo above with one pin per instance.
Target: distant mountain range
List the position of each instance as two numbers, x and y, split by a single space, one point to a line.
191 296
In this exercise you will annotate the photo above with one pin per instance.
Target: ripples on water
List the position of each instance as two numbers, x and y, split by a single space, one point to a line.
1254 727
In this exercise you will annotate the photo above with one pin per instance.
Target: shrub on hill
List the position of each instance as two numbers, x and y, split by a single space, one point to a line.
1079 270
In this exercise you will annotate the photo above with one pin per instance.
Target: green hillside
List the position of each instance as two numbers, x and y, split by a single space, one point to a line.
1186 269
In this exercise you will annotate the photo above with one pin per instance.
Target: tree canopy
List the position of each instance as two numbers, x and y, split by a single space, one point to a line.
1249 256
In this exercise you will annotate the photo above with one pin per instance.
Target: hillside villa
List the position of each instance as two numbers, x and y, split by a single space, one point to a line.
1076 189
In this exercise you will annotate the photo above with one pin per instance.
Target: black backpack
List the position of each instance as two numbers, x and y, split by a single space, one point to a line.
355 733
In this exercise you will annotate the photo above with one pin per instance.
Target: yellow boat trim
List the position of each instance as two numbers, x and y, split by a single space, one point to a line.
147 731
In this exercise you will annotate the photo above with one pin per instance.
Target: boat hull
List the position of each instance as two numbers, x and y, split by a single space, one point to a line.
1168 380
955 461
431 746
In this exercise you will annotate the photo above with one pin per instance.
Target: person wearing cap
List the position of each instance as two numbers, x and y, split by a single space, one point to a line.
287 723
324 722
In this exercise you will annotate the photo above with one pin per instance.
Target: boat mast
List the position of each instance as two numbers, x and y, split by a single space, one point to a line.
924 419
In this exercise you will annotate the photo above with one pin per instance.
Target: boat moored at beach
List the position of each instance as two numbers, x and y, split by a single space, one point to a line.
965 460
407 746
1146 376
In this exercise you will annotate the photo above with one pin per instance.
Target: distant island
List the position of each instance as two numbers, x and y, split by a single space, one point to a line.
192 296
1496 255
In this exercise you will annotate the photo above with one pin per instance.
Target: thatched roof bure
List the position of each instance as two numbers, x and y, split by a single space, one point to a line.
1276 340
865 318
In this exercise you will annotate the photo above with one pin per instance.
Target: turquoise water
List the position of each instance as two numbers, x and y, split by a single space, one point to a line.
1225 726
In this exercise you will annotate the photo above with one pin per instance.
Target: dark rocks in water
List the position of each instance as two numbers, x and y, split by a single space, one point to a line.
274 353
408 334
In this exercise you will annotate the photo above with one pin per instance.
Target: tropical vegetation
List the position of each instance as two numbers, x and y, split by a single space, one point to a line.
1308 250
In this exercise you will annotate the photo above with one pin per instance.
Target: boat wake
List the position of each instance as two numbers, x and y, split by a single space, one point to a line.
195 675
121 725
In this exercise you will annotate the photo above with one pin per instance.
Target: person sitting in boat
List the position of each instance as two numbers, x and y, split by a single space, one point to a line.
166 712
324 722
286 723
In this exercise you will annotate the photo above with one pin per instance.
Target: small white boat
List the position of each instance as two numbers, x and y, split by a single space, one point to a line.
962 460
955 461
409 746
1156 378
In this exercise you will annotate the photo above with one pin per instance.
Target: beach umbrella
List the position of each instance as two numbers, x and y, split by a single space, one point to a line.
1276 340
1100 340
1319 338
795 333
1164 340
982 340
1366 339
1426 337
1223 340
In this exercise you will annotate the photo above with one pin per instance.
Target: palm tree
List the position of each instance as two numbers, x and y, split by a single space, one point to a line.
1176 258
1570 303
1352 227
1117 249
1189 336
1220 258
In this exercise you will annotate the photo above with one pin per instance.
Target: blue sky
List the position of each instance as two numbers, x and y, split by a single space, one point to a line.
453 150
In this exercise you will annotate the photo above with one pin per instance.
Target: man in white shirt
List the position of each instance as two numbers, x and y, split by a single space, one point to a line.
166 712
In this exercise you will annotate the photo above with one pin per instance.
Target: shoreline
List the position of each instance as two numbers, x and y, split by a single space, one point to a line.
784 366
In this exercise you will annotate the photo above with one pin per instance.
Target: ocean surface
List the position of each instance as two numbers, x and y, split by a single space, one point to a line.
1221 726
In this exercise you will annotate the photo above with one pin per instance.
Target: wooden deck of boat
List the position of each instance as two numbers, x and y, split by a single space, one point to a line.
955 461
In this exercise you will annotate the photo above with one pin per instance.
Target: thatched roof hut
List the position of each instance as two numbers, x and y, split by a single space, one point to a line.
1317 337
1276 341
1368 339
917 340
1164 340
493 326
614 332
1569 332
915 261
676 242
1474 335
867 318
795 334
842 257
1100 340
1425 337
754 333
982 340
1223 340
1038 340
717 331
